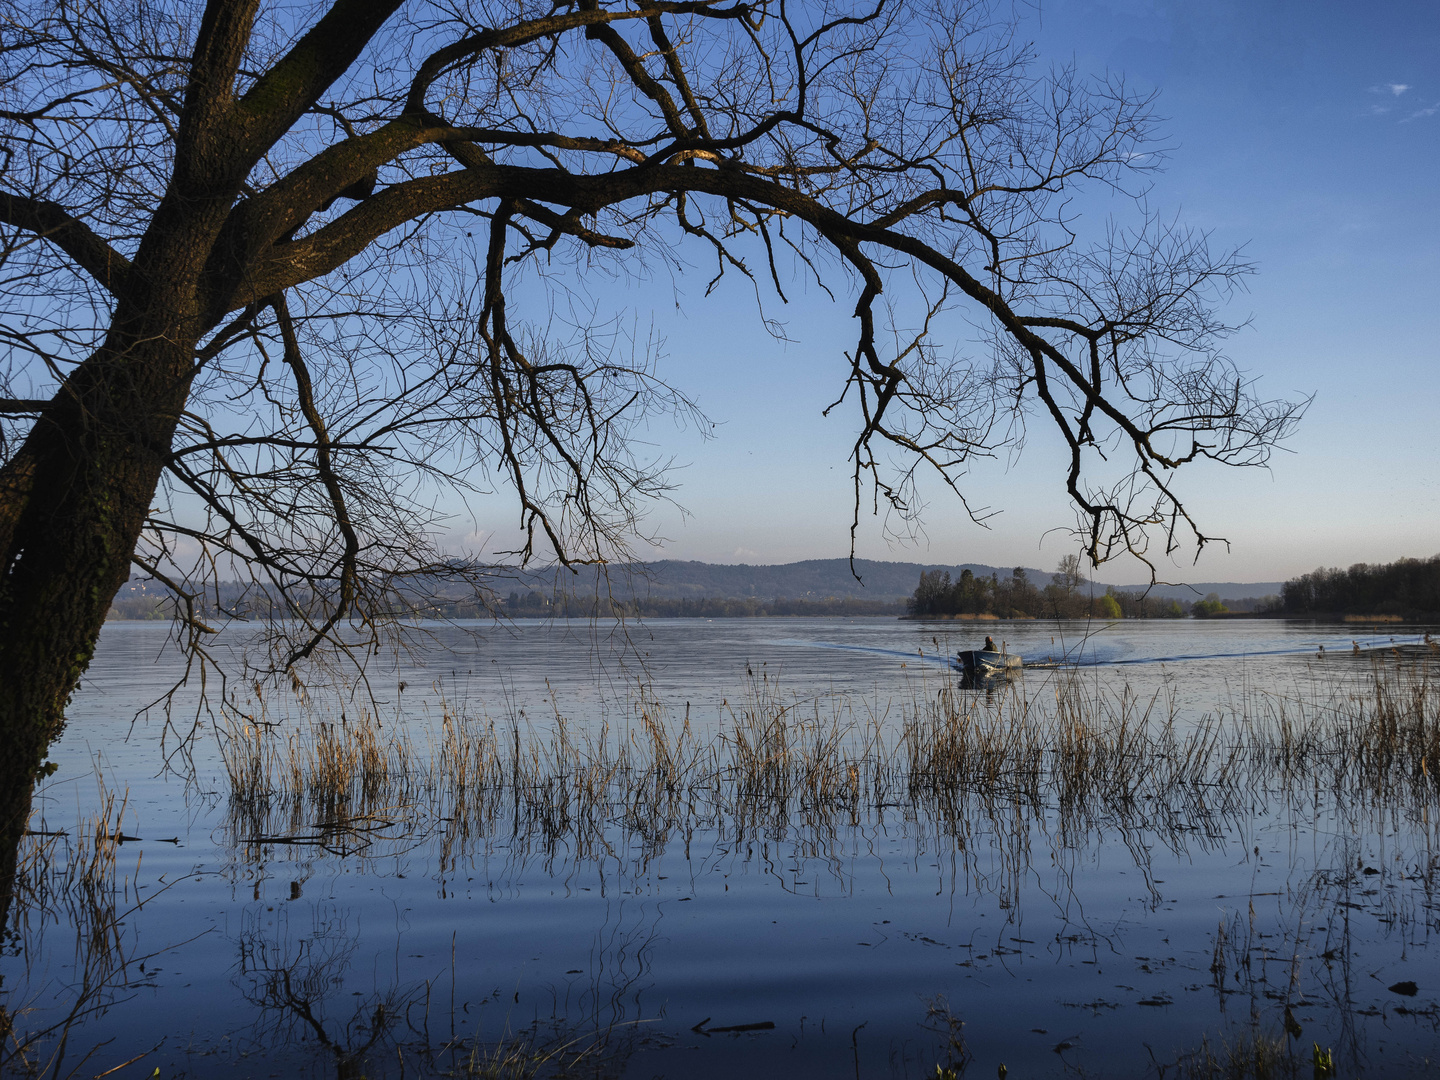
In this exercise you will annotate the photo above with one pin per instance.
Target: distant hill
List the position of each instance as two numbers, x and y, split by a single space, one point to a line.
669 579
812 579
672 579
820 578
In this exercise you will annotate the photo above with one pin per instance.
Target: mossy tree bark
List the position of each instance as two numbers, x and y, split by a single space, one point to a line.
77 496
73 502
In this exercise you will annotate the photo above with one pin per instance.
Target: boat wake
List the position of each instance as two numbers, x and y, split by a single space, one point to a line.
1092 654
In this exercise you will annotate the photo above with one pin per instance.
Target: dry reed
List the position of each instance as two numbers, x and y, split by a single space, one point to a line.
1069 760
71 883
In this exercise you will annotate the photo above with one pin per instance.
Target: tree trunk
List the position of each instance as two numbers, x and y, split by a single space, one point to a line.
73 501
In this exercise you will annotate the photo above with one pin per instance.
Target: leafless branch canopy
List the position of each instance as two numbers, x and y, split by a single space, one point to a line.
391 211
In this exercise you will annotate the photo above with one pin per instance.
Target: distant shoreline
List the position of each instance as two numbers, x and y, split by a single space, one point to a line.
1387 618
963 616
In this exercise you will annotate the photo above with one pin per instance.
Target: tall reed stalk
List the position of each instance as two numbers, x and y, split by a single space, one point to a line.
1070 757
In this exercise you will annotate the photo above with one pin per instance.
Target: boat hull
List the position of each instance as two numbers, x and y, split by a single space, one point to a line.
984 664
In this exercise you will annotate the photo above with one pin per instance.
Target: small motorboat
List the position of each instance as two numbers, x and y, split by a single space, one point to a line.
978 664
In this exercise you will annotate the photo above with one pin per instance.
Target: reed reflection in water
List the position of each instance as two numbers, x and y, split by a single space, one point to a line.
1009 799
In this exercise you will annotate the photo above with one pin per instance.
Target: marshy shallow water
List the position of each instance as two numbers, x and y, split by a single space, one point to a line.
768 847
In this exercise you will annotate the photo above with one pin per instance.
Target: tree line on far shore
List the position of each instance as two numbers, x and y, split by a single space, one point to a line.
142 603
1067 595
1409 587
696 607
1406 587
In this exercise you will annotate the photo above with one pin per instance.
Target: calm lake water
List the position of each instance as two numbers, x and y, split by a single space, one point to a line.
873 938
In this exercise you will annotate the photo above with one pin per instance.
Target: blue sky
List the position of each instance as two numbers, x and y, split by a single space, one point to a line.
1306 132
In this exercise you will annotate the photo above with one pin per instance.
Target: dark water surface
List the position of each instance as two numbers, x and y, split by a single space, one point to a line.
878 941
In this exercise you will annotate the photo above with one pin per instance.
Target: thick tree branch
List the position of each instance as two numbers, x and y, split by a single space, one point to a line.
52 222
220 43
285 92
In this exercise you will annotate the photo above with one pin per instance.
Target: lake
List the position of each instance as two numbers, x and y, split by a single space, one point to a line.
768 847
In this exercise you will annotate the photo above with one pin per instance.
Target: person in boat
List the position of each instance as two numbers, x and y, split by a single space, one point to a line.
990 644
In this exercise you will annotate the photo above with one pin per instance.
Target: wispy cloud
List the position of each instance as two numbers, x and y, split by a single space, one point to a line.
1389 91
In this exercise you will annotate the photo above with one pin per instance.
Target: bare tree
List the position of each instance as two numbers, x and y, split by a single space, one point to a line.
276 277
1069 574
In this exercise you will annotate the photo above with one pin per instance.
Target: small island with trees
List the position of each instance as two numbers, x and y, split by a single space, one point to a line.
1066 596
